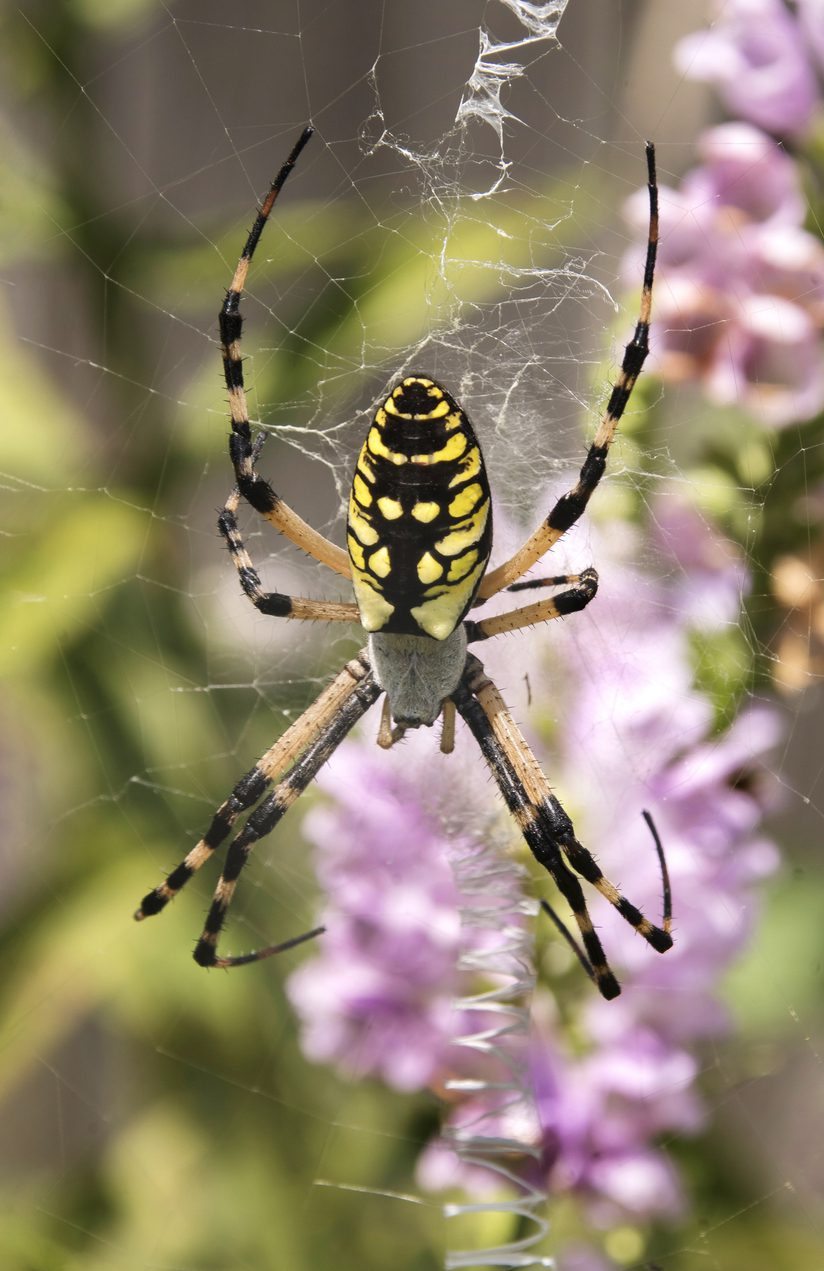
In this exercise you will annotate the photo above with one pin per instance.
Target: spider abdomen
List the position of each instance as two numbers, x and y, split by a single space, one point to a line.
420 516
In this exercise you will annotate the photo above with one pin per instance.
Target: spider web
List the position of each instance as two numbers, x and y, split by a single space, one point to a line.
458 212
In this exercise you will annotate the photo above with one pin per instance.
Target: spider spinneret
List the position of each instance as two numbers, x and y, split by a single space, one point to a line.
419 537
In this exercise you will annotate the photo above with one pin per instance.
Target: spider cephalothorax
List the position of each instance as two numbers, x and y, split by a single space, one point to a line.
419 535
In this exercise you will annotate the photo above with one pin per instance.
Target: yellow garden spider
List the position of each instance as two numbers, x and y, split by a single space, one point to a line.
419 537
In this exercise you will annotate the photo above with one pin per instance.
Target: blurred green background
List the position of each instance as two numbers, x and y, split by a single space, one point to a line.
153 1116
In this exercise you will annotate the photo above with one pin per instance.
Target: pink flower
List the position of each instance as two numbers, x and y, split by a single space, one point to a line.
811 20
377 997
711 579
743 168
739 295
755 53
770 362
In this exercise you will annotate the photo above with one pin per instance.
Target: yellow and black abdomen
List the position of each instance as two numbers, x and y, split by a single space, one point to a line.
420 515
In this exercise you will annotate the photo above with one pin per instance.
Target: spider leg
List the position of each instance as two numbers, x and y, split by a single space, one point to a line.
266 816
532 584
571 505
576 597
531 825
554 816
254 783
570 939
544 823
254 488
274 603
564 931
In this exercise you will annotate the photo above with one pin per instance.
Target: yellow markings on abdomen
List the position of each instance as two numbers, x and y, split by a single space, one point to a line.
376 447
425 511
379 562
439 617
429 570
469 466
438 410
460 567
453 449
466 534
355 552
375 609
361 491
419 527
463 503
364 468
361 526
390 508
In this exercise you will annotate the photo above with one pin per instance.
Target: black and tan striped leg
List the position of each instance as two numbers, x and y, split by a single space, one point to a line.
538 790
266 816
254 488
571 505
274 603
530 584
577 596
544 823
567 935
535 833
558 580
254 784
